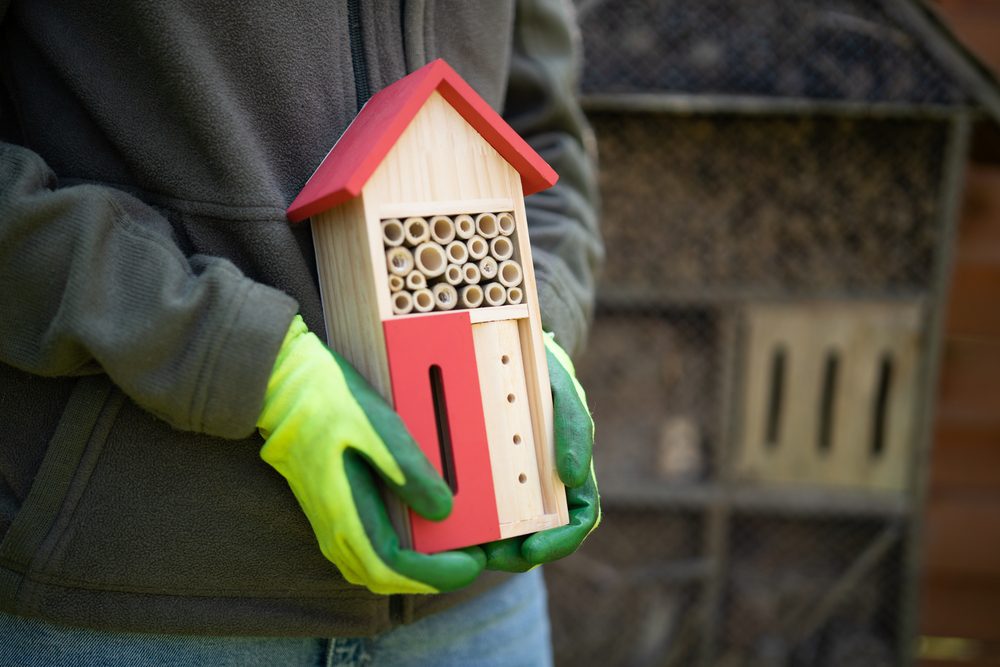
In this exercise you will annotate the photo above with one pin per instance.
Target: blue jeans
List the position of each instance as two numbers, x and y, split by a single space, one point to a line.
504 627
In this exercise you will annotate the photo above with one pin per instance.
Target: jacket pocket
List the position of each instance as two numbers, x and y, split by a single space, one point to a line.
69 459
165 512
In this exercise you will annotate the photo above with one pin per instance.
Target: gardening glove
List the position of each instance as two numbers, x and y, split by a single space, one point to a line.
325 430
574 443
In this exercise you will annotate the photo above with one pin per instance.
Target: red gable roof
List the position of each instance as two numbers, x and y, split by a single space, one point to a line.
379 124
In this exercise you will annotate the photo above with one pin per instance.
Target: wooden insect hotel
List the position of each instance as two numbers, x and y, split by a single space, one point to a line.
428 289
779 183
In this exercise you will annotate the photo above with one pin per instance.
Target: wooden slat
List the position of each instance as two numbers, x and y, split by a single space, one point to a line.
969 390
966 456
975 23
972 303
963 535
436 207
978 233
985 662
956 607
349 285
972 307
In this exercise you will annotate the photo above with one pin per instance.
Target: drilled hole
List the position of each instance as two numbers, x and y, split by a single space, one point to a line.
517 439
505 360
522 478
510 398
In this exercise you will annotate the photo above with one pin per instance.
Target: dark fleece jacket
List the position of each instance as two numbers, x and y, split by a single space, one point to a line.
148 274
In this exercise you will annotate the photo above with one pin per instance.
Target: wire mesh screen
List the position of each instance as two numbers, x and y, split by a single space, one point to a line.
856 50
767 204
755 362
783 605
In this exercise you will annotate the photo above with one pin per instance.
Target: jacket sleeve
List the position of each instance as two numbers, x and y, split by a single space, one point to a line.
541 105
92 281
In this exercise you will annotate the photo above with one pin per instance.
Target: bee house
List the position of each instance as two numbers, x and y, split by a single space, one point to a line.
428 290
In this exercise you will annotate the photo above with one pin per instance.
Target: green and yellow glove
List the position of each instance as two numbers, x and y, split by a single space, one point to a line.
574 443
325 430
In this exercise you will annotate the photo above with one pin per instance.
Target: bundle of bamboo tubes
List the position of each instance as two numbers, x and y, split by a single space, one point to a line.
447 262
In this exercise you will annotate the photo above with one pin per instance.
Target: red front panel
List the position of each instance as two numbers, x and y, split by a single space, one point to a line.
415 346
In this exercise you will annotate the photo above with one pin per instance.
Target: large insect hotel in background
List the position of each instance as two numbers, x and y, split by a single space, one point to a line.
779 183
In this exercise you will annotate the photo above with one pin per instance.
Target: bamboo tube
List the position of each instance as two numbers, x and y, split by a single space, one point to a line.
395 282
495 294
402 303
453 274
486 225
514 295
457 252
465 226
488 268
442 229
478 247
417 231
445 296
471 296
505 223
415 280
423 300
501 248
430 259
399 260
392 233
509 273
470 273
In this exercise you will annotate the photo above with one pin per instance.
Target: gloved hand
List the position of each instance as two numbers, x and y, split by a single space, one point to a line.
325 429
574 443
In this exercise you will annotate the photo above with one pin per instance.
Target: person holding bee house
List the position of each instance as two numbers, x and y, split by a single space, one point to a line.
158 366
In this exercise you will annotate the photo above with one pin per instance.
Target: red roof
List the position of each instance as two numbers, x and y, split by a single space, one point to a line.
379 124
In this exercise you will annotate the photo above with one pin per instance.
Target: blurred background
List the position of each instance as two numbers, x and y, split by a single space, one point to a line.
795 363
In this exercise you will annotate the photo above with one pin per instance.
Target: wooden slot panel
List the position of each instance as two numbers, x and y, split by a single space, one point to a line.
829 393
508 422
418 349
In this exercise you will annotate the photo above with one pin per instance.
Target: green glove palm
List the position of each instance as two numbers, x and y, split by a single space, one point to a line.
325 429
574 443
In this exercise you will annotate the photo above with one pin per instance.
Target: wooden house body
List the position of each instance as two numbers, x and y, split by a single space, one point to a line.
428 166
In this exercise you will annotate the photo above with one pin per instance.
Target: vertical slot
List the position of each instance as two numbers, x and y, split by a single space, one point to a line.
827 399
443 429
775 398
882 388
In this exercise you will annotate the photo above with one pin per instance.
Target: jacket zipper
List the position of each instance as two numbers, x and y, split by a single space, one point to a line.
361 88
362 91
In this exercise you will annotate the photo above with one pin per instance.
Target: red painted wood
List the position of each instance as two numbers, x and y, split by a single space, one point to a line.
414 344
362 147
